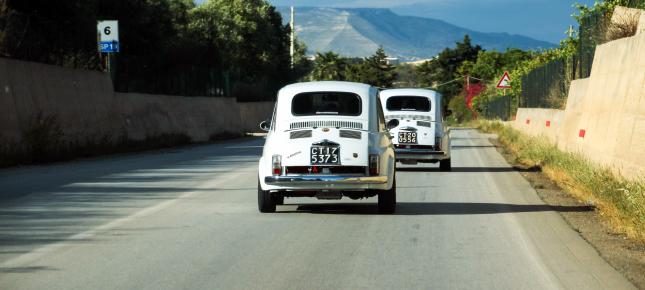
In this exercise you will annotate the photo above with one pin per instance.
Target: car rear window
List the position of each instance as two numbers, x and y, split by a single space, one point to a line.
326 103
408 103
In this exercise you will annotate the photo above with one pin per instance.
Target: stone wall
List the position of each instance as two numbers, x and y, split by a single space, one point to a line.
87 108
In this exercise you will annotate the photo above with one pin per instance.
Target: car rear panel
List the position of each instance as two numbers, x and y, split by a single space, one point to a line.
422 124
352 145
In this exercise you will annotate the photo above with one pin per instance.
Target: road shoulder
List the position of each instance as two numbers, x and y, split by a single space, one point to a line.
625 255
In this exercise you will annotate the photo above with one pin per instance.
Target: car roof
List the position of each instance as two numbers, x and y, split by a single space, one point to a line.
325 86
409 92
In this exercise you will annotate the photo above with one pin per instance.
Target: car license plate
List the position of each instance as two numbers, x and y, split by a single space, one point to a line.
407 138
325 155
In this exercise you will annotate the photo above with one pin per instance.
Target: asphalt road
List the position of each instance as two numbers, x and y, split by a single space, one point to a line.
188 219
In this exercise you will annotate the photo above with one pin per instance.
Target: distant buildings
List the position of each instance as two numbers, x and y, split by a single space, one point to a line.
420 61
392 61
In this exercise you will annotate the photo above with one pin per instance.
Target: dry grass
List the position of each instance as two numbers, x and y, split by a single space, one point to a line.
555 100
625 26
619 201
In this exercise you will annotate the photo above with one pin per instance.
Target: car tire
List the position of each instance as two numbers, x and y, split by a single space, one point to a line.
279 199
266 202
387 199
445 165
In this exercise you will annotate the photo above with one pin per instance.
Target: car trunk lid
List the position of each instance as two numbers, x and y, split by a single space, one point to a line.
351 147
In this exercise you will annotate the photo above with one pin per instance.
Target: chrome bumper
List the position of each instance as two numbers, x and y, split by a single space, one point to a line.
418 151
420 154
325 179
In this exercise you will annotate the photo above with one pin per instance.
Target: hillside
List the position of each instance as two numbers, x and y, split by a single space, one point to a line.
358 32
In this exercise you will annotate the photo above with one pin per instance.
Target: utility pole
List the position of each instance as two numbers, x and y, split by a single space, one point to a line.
570 31
292 47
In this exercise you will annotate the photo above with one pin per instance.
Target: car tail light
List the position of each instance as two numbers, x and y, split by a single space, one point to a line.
437 142
276 162
374 165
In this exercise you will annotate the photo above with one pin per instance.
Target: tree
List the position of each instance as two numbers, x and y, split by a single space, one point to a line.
165 45
444 68
55 32
490 65
249 34
406 76
374 70
302 66
328 66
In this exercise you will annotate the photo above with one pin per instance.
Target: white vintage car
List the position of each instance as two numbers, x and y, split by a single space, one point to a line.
327 140
420 135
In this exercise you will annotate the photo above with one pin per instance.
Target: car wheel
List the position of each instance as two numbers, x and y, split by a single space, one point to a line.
445 165
387 199
266 202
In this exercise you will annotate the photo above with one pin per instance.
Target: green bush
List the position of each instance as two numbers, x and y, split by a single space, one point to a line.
460 112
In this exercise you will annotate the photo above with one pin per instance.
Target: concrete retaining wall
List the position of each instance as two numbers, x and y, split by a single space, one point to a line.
88 109
605 114
536 122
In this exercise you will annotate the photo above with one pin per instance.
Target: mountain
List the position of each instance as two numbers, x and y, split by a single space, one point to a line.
358 32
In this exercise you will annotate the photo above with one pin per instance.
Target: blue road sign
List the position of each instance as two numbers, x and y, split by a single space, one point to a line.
108 46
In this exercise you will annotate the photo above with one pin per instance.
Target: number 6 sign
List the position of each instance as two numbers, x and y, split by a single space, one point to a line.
108 34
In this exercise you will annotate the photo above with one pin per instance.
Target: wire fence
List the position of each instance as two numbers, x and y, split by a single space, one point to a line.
590 34
547 86
498 108
186 80
147 63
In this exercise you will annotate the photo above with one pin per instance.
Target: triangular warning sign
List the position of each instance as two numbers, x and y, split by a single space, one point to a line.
504 82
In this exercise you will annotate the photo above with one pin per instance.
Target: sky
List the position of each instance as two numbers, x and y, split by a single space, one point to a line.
540 19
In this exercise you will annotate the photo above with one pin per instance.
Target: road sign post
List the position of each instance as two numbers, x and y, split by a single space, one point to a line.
108 41
504 82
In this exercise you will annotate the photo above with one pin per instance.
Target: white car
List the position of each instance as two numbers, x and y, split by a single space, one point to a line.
420 135
327 140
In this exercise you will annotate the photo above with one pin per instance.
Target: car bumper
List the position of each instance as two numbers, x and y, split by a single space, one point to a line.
325 179
420 154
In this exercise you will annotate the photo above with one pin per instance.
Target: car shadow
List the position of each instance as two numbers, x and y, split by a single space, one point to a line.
433 208
23 270
457 147
469 169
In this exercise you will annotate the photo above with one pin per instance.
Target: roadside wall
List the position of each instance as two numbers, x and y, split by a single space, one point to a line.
536 122
605 114
87 108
